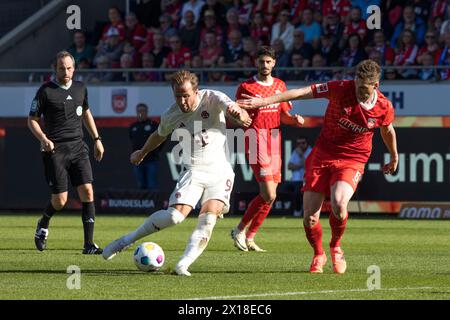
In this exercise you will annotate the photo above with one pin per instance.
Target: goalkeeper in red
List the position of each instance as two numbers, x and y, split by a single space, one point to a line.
336 163
263 146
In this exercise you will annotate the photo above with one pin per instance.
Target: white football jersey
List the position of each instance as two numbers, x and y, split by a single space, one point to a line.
203 131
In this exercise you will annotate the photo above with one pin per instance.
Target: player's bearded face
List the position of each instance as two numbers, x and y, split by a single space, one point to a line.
186 97
64 70
265 65
365 89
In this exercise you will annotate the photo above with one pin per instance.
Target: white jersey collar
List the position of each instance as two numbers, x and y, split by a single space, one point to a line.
62 86
369 105
265 84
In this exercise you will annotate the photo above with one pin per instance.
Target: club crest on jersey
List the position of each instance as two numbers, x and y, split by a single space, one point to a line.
323 87
205 114
371 123
177 195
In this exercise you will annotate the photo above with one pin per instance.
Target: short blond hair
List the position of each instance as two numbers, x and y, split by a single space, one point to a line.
182 76
368 70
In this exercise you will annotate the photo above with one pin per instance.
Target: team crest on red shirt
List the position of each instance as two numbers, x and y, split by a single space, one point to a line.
205 115
371 123
323 87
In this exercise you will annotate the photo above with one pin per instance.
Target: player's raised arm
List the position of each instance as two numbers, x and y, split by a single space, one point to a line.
151 144
294 94
390 140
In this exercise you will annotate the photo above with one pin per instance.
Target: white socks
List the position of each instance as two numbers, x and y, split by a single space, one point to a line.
157 221
199 239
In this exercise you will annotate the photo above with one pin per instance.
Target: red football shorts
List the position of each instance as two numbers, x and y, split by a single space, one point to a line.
267 170
321 172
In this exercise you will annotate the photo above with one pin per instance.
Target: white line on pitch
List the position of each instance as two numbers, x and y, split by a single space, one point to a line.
281 294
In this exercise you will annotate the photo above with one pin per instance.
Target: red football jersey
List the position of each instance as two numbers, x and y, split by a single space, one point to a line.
349 126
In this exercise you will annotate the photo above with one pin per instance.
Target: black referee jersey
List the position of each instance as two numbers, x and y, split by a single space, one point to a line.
62 110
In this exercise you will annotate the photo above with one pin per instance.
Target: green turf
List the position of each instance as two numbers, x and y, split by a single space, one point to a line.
413 256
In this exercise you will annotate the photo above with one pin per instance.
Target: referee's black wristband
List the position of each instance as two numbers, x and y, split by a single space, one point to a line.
98 138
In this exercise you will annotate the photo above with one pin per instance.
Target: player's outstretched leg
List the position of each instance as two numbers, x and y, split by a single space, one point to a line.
157 221
197 242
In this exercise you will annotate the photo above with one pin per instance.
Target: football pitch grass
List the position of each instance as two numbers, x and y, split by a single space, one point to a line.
413 258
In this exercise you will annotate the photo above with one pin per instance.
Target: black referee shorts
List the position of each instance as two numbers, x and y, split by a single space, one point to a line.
69 161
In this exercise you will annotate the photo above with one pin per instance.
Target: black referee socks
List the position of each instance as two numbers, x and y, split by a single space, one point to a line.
88 217
49 211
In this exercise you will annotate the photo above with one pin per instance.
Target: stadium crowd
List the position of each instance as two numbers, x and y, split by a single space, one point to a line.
217 34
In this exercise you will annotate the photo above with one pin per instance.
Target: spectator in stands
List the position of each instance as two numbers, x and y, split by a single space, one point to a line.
190 32
298 62
431 47
380 44
250 48
217 8
329 49
427 60
159 51
259 30
112 47
233 23
310 28
211 26
103 62
115 22
211 52
146 172
300 46
297 165
282 56
318 75
353 53
406 54
192 5
342 7
268 9
232 53
148 12
355 25
376 56
82 65
197 63
80 49
445 24
444 57
173 9
421 8
283 30
135 55
247 62
126 62
245 9
135 32
148 61
409 22
166 27
178 57
332 26
438 8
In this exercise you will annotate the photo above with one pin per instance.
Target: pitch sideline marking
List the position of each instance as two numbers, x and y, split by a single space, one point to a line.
280 294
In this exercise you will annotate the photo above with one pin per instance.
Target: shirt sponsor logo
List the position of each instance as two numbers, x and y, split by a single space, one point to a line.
347 124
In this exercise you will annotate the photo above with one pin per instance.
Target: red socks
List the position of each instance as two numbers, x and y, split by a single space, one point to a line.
337 230
314 236
258 220
256 205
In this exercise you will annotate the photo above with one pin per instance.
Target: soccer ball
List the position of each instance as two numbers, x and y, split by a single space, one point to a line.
149 257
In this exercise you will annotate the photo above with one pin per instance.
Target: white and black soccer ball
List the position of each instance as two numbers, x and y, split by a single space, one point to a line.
148 257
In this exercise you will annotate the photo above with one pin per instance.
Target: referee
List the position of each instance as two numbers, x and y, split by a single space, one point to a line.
64 105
